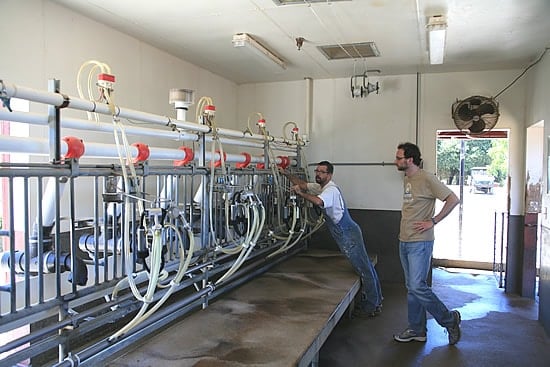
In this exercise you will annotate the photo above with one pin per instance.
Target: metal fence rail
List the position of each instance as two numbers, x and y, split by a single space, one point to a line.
96 256
500 231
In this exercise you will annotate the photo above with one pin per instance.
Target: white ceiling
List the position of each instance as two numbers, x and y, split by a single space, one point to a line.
481 34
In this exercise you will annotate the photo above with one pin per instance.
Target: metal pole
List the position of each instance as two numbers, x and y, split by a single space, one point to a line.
501 250
54 124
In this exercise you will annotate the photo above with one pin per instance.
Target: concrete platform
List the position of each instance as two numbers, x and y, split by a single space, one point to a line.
281 318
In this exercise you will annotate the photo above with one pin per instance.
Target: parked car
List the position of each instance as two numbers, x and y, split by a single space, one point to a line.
482 180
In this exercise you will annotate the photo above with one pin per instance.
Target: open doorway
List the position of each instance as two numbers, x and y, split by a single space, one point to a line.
476 168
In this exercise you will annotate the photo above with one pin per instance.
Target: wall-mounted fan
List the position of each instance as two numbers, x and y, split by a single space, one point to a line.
475 115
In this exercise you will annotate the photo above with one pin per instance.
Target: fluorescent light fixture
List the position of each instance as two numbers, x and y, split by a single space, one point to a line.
437 29
245 40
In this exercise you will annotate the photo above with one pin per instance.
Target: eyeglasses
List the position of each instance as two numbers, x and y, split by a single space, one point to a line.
319 171
400 158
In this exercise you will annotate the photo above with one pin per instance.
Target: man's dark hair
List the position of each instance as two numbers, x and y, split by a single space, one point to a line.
330 167
410 150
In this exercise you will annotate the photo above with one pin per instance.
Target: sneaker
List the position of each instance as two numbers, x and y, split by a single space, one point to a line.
454 331
410 335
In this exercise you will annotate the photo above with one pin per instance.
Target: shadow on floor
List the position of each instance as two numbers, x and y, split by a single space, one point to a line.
497 330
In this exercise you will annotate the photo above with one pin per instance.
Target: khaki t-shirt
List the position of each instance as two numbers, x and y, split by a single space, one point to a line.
419 193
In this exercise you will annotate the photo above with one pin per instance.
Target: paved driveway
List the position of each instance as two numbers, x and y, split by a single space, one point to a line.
471 236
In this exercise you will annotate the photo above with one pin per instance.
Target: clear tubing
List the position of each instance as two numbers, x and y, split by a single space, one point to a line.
242 256
247 250
182 269
284 247
156 260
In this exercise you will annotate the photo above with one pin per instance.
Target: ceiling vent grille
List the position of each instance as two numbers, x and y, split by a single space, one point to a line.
303 2
350 51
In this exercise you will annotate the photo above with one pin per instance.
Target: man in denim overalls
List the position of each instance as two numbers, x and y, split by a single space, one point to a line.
347 234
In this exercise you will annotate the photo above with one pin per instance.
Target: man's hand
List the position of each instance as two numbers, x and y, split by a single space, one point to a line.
422 225
296 189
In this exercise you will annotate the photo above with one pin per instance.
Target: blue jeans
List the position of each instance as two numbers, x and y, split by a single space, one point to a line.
416 258
349 238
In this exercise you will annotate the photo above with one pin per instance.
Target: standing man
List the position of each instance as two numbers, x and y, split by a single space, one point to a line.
347 234
416 239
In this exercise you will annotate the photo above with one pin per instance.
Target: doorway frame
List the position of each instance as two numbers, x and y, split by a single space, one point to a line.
500 224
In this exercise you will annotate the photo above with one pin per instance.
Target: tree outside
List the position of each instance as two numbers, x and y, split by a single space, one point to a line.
499 160
491 153
476 230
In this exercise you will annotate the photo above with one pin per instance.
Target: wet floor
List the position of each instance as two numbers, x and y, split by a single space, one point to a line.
497 330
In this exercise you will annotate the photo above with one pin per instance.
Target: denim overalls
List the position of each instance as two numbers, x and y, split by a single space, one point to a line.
349 238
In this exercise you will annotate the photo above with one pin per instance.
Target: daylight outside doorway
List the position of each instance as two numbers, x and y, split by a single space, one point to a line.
476 169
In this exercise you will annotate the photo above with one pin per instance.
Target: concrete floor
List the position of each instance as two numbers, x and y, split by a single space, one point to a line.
497 330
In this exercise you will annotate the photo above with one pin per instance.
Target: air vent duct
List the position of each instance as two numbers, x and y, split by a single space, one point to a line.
350 51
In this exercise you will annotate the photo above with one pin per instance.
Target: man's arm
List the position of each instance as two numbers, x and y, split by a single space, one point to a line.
301 189
294 179
449 204
316 200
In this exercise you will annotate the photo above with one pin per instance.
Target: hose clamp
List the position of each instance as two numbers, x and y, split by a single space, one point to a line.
4 96
66 100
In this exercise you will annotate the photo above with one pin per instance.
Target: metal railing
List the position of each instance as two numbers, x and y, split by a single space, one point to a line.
98 256
500 231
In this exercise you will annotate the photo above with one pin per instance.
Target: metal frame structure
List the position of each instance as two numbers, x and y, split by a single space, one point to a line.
162 240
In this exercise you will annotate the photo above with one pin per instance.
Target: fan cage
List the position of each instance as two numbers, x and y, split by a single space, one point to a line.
475 115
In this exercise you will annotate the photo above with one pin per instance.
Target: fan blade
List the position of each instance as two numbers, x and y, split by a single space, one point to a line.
477 127
464 112
485 108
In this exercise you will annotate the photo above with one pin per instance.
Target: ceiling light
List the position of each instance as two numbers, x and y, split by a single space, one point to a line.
246 41
437 27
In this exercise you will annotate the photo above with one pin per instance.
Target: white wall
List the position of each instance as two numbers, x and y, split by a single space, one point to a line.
42 40
367 130
351 130
534 167
345 130
278 103
538 109
439 91
47 41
